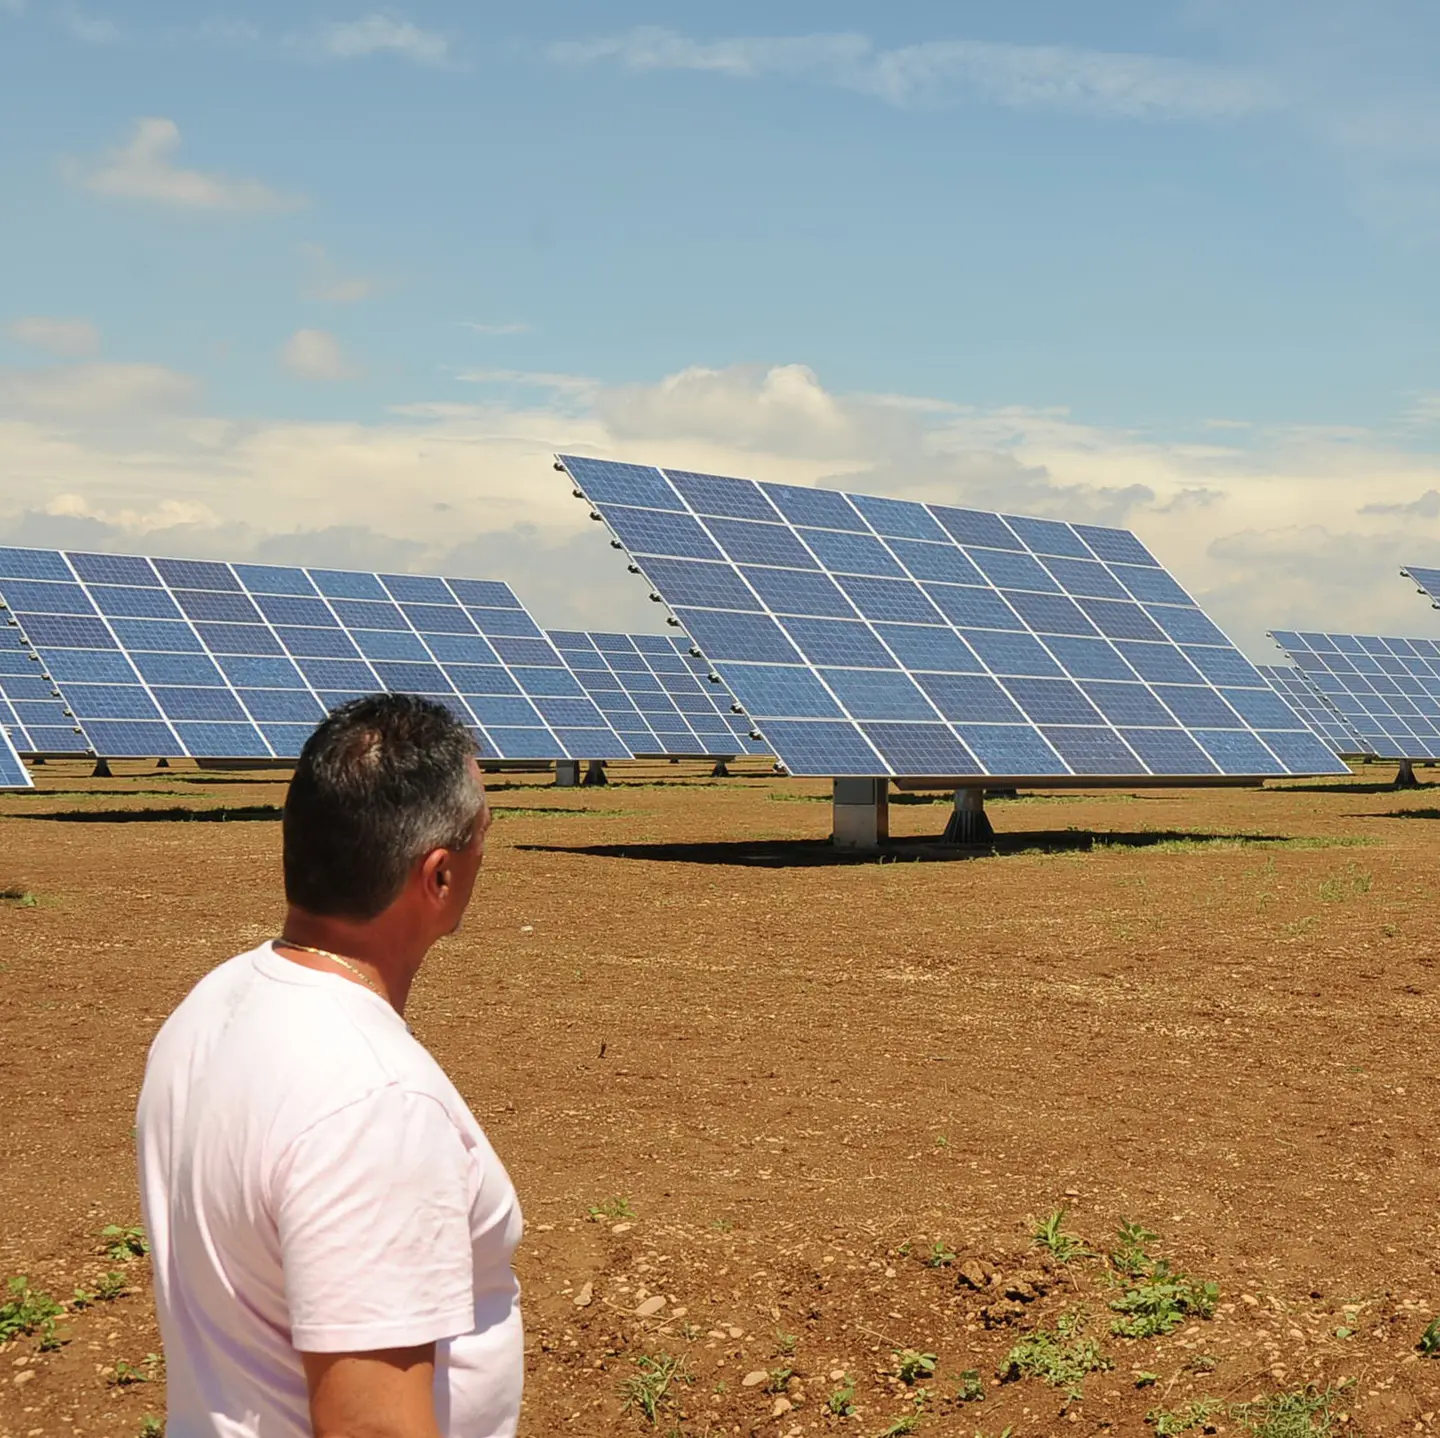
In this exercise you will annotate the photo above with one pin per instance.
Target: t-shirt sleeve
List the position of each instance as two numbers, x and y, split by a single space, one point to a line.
373 1211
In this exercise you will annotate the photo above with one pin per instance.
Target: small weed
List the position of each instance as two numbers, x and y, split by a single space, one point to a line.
841 1403
1429 1343
1307 1412
21 898
123 1244
111 1287
1050 1235
152 1427
649 1389
779 1379
911 1365
972 1387
906 1424
126 1375
1061 1357
785 1342
1170 1421
1340 887
29 1311
722 1225
1156 1300
611 1210
940 1256
1146 1379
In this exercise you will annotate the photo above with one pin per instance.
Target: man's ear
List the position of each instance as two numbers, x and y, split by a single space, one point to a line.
435 872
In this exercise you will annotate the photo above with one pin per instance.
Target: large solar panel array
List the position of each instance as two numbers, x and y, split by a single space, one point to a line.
875 636
1387 690
157 657
656 694
13 774
1325 721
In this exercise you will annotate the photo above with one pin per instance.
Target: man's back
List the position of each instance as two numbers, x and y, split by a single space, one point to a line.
312 1182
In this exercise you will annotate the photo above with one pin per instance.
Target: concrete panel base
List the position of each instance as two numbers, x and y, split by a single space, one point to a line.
861 813
567 773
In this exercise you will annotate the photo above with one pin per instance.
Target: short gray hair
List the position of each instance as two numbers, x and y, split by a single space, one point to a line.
382 781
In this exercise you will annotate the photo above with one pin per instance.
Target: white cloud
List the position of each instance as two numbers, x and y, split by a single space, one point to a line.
144 169
1059 77
120 457
90 29
318 355
511 328
379 34
71 338
326 281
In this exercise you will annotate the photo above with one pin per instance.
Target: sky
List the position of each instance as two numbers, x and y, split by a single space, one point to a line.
330 284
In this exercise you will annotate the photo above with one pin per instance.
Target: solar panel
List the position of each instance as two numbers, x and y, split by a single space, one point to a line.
1325 721
13 774
157 657
31 709
657 695
1386 689
1427 580
871 636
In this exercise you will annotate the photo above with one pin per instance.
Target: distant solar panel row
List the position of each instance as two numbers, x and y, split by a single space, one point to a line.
876 636
656 694
1386 689
1325 721
174 656
13 774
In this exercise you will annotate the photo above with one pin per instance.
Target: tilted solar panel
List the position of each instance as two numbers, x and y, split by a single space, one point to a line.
871 636
1325 721
178 656
31 709
13 774
657 695
1427 581
1387 689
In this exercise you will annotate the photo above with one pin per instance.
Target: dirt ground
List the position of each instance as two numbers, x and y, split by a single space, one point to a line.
776 1119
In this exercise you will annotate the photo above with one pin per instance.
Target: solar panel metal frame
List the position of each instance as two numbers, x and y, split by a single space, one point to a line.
13 773
157 657
32 711
1326 722
1386 688
804 601
652 670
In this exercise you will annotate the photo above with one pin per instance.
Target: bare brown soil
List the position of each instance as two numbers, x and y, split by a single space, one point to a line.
800 1075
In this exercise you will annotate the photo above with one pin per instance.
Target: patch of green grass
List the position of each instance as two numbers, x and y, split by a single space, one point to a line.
1156 1300
911 1365
1307 1412
611 1209
1062 1356
1170 1421
123 1244
29 1311
1429 1343
1050 1234
1347 885
649 1389
111 1287
1248 841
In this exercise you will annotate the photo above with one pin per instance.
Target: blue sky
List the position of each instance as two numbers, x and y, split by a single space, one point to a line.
262 258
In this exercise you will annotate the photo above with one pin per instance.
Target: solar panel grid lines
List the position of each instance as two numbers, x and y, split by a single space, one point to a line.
872 636
170 656
656 694
31 710
1387 689
13 774
1325 721
1427 580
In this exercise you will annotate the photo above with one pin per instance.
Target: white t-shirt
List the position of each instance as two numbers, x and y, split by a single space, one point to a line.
312 1182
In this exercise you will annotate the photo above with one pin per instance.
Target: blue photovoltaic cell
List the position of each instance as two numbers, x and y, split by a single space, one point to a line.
656 694
1386 690
1325 721
930 640
141 657
13 774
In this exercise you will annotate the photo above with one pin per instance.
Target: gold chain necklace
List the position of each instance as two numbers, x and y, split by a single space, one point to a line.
334 958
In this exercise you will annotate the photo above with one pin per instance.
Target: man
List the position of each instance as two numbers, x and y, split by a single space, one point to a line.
332 1233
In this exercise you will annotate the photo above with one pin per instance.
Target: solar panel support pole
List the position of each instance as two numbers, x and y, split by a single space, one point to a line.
969 824
720 771
162 762
101 770
1405 775
595 774
861 813
567 773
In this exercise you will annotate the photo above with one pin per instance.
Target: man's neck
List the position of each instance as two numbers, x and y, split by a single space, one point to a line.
388 958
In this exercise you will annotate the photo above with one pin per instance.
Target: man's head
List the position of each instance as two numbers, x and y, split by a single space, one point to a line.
386 808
